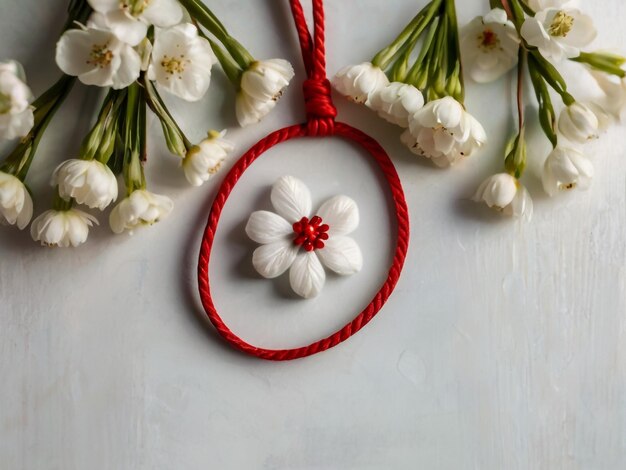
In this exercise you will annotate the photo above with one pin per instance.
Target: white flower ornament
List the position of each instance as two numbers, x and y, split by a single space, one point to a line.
293 240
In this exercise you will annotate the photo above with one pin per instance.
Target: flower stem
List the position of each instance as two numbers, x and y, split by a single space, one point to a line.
547 117
203 15
78 11
418 24
59 204
456 82
552 76
607 63
21 158
520 87
99 143
230 67
134 139
177 141
417 75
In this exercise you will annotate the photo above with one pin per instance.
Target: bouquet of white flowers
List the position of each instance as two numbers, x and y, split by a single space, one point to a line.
136 49
417 83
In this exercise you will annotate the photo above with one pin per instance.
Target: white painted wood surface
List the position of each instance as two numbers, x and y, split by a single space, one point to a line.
504 346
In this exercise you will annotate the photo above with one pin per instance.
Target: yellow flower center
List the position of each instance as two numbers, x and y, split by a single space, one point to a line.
174 66
216 168
488 40
135 7
562 24
100 56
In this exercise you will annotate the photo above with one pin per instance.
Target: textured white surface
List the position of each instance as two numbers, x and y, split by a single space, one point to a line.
504 346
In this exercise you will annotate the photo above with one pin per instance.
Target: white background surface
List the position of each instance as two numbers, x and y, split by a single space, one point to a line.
504 346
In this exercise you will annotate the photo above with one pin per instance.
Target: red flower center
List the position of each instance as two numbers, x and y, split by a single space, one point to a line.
310 234
489 39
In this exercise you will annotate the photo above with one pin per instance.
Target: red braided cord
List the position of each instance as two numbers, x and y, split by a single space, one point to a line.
320 122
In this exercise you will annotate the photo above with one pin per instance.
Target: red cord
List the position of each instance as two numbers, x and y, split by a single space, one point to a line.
321 115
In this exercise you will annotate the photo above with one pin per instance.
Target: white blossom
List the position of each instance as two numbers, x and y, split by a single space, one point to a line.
566 169
89 182
205 159
504 193
444 132
16 113
559 33
62 228
129 19
139 209
262 85
302 242
578 123
614 88
489 46
98 58
181 62
396 102
16 204
359 82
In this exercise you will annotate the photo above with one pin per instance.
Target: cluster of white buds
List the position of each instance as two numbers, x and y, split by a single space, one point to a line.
424 97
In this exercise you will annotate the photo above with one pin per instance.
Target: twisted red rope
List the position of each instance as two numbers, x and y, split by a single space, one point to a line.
321 115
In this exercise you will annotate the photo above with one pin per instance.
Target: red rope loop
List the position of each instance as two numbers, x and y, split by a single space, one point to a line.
321 115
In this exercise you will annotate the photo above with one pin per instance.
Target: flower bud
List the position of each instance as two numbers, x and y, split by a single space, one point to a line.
578 123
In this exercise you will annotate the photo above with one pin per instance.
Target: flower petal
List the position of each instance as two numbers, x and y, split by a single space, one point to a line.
341 255
129 69
274 259
522 205
164 13
291 198
266 227
307 276
26 214
342 215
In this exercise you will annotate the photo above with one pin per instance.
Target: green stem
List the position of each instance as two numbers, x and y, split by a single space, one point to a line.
516 159
552 76
78 11
19 161
522 56
400 69
547 117
416 76
99 143
177 141
607 63
529 11
420 22
456 81
436 62
203 15
133 140
59 204
230 67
